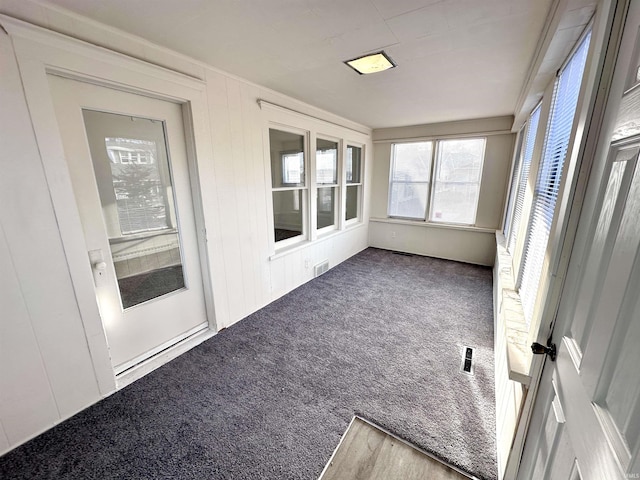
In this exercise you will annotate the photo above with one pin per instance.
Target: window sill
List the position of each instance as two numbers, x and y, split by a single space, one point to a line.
510 317
284 251
424 224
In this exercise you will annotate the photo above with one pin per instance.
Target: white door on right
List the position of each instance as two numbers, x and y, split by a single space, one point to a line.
589 401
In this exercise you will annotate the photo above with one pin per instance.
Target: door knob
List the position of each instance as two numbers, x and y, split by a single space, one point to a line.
100 266
550 349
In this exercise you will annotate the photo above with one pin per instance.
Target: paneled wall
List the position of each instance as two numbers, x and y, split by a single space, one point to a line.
46 369
468 244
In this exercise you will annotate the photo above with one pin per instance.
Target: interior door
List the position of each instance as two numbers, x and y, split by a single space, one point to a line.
127 159
589 400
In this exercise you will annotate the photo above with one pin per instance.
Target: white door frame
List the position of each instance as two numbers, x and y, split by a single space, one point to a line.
40 52
593 125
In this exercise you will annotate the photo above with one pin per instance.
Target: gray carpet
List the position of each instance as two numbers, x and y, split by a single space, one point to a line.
269 398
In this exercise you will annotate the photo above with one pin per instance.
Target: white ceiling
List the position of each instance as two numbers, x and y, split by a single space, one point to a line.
457 59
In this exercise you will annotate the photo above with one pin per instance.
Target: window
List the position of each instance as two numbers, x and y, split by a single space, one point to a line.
314 192
457 181
354 181
549 176
327 182
410 179
515 176
455 178
521 176
289 186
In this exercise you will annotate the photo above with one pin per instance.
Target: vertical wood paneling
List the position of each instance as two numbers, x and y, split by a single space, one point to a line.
224 185
37 255
217 102
27 404
4 441
260 231
278 278
241 187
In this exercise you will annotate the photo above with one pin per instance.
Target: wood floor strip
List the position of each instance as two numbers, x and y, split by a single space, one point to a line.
366 452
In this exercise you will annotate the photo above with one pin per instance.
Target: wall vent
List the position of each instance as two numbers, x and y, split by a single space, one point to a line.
320 268
404 254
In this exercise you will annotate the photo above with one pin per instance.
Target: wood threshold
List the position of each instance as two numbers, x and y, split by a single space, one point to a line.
368 452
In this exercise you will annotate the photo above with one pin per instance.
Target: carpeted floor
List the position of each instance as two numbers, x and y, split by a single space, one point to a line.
269 398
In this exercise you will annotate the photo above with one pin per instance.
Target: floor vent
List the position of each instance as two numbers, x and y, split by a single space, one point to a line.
404 254
467 360
320 268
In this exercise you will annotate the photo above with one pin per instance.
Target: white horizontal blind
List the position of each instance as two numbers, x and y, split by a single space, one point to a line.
523 176
550 173
513 185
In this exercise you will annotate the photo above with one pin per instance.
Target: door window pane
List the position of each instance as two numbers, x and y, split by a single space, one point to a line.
140 197
131 164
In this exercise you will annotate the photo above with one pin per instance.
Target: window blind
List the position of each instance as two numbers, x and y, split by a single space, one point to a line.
513 184
550 174
523 176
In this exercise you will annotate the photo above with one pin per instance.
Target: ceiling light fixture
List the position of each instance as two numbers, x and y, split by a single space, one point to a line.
371 63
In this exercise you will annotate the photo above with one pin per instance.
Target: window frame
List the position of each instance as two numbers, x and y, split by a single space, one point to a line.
425 216
434 176
433 172
283 119
359 185
336 185
305 189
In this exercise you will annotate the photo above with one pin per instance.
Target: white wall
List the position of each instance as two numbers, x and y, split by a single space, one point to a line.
46 370
468 244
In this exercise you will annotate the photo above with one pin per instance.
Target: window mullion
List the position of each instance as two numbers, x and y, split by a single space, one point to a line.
342 185
435 145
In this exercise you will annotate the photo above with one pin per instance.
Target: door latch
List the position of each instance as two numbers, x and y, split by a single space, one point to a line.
550 349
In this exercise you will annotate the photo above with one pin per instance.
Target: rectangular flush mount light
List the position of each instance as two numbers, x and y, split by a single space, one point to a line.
372 63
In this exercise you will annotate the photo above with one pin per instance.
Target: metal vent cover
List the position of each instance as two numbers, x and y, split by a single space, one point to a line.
320 268
467 361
